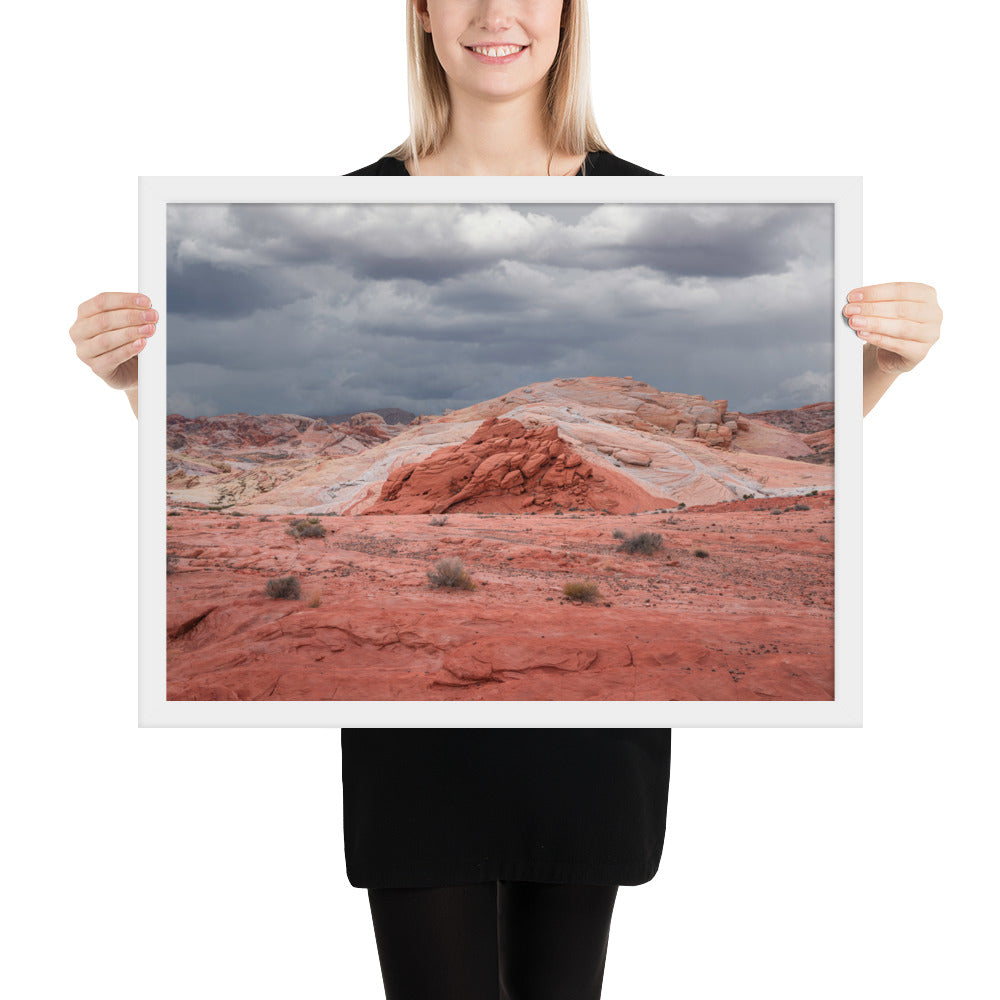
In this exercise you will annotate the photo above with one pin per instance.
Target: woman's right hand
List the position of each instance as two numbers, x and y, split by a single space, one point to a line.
110 331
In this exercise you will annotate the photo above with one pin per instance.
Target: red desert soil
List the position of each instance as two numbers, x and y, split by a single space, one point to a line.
532 503
751 621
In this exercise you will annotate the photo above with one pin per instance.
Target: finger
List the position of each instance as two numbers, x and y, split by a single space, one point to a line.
106 322
902 329
107 363
94 348
112 300
917 312
915 290
911 350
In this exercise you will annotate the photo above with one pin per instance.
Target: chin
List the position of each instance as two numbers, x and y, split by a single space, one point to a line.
500 88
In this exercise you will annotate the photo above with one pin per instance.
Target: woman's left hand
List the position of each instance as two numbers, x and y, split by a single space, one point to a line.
900 318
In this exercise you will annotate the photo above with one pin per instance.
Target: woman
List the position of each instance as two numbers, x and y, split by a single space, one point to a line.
493 857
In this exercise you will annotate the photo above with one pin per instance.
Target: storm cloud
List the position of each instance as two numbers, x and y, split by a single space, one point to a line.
321 309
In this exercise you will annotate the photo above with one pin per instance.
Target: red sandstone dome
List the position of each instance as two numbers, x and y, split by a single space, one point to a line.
505 467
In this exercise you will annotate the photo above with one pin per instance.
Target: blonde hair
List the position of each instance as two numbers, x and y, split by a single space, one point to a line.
571 126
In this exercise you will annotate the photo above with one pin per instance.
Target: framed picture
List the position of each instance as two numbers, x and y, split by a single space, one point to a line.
500 452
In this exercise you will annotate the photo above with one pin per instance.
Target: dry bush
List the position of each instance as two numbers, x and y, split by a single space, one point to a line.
450 572
307 528
700 553
284 587
438 521
644 542
581 590
314 601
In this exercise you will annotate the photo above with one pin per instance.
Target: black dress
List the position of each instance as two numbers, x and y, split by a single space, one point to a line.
436 807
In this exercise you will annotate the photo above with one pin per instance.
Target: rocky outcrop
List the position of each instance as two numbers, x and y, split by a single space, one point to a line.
233 458
505 467
644 449
803 420
367 419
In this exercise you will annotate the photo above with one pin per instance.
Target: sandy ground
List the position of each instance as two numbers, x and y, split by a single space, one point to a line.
752 620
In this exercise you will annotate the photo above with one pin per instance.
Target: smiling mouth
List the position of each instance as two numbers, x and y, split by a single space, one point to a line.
496 51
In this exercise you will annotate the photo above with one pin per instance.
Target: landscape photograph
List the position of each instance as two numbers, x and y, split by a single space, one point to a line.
506 452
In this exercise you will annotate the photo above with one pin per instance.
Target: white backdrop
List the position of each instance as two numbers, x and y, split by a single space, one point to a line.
209 863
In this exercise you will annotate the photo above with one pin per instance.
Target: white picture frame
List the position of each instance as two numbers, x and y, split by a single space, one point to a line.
843 194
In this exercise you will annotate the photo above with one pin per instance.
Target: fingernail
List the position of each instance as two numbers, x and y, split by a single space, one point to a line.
851 310
150 315
141 301
860 322
855 297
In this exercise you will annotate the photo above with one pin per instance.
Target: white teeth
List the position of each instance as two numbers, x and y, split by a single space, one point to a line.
493 53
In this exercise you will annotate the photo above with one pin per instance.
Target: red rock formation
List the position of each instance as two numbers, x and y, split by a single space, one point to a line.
505 467
659 448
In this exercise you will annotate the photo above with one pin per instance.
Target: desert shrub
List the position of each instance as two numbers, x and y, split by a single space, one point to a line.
450 572
308 528
801 506
681 505
700 553
171 562
314 601
644 542
285 587
581 590
813 493
618 533
438 521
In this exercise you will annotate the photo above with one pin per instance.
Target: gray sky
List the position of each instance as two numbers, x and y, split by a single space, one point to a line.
337 308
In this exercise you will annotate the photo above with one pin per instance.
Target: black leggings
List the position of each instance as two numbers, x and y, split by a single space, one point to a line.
493 941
